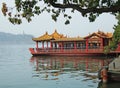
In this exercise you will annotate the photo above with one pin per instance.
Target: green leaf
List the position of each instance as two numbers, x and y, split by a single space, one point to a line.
92 17
69 17
67 22
65 15
54 17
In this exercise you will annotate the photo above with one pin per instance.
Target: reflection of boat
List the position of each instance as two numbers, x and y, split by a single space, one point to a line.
62 64
58 44
54 67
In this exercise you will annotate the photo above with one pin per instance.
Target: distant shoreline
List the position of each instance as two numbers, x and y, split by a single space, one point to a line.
8 38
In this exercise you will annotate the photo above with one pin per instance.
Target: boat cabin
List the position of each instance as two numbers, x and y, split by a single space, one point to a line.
58 44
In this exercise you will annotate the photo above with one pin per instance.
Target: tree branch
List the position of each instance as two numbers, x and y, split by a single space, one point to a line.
86 10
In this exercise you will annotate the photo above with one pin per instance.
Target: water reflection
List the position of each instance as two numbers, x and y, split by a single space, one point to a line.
55 66
74 69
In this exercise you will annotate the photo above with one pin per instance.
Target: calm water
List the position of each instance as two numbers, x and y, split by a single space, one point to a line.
18 69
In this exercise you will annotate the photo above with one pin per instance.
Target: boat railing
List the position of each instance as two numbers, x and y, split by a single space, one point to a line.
66 50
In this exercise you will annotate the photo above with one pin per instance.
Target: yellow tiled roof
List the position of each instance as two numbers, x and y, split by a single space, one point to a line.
47 37
100 34
60 37
103 34
44 37
56 35
109 35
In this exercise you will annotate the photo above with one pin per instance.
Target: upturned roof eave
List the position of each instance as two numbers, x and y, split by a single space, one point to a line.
96 35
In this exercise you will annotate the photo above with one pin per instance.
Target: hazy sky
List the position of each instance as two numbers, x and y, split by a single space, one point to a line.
79 26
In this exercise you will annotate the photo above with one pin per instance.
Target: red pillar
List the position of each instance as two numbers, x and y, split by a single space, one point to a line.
86 45
37 45
75 45
62 46
50 44
43 45
59 45
47 44
101 43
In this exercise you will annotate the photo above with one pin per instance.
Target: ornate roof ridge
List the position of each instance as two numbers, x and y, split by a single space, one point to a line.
56 35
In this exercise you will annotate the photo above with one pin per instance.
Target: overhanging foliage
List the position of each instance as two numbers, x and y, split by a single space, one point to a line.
88 8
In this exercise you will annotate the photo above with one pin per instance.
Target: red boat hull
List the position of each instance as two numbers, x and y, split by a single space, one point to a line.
69 53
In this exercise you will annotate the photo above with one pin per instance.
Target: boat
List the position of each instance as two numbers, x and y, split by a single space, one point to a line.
58 44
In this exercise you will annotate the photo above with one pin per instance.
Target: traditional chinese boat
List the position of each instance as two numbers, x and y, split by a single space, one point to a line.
58 44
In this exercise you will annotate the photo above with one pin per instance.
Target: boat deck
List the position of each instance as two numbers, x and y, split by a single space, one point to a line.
49 51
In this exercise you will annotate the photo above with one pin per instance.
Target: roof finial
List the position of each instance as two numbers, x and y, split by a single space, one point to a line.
55 30
46 33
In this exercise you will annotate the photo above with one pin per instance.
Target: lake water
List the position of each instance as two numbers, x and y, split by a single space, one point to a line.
18 69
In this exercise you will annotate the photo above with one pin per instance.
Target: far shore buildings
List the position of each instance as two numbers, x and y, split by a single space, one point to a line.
59 44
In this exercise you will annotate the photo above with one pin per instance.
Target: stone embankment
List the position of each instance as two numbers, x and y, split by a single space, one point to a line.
111 72
115 65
